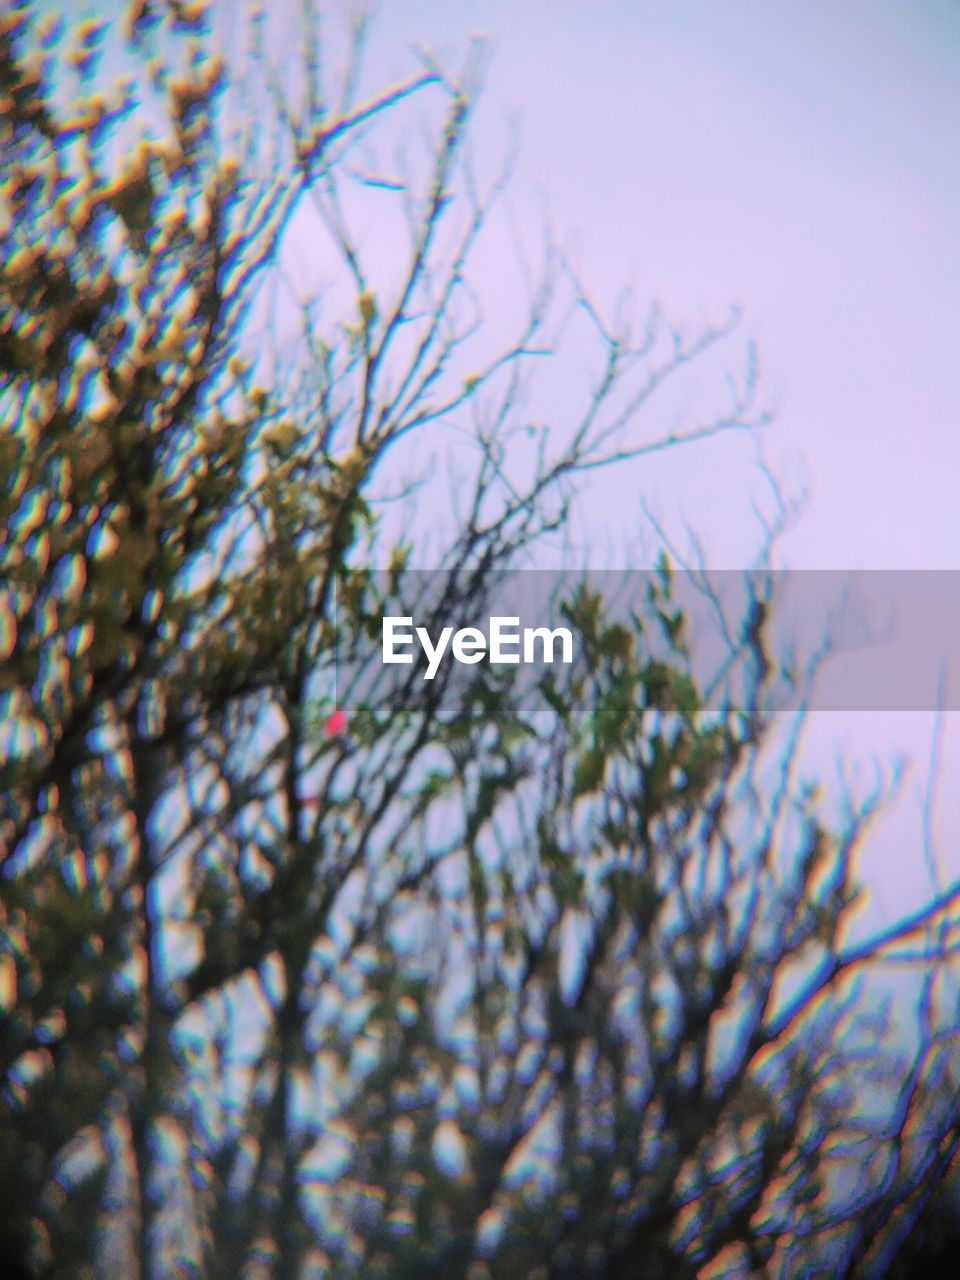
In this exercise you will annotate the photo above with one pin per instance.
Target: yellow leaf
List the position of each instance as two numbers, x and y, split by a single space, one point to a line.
8 630
368 308
8 982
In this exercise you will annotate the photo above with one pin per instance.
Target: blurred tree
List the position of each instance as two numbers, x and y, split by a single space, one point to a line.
519 980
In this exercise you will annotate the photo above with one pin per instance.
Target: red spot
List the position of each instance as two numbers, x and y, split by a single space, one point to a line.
336 723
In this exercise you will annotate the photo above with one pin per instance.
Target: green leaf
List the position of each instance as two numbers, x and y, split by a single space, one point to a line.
616 642
588 771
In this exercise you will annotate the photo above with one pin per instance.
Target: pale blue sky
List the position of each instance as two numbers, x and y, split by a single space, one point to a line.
798 158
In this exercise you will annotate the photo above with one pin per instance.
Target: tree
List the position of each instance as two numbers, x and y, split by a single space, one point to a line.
494 984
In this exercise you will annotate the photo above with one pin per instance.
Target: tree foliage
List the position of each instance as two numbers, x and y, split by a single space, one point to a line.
542 979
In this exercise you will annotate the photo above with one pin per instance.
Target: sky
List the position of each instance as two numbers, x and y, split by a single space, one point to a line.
800 161
797 159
